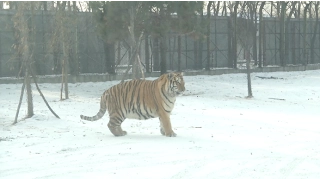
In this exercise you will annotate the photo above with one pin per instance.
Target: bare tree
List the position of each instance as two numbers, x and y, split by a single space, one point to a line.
23 23
282 14
286 32
65 45
315 30
246 30
135 61
235 34
62 41
260 32
297 13
208 34
123 22
136 58
216 8
305 59
254 18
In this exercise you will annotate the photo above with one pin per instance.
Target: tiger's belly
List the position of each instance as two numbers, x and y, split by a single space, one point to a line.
140 115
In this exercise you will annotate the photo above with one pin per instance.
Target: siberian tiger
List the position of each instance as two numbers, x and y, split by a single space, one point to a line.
141 99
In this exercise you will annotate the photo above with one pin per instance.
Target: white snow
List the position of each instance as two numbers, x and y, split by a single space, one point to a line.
221 133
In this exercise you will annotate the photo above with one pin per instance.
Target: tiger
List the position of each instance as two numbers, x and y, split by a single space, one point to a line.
141 99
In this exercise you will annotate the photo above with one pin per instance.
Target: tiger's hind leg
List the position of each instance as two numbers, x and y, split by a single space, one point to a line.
114 126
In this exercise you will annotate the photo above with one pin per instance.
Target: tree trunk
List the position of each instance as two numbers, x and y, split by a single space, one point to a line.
163 62
254 15
20 101
264 42
282 35
22 26
271 9
287 28
305 60
234 41
65 46
208 35
135 71
74 5
44 99
147 53
25 47
73 47
200 42
0 57
179 53
279 3
133 57
247 52
293 44
216 13
34 62
109 50
230 43
315 30
195 53
45 6
64 78
248 45
163 41
200 50
29 92
260 33
135 46
62 6
155 54
13 5
56 62
299 9
65 71
224 11
69 6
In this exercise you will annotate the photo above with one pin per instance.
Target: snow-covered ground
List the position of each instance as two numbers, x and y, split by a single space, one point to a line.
221 133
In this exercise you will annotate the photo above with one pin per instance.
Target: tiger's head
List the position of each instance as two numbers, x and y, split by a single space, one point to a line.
176 83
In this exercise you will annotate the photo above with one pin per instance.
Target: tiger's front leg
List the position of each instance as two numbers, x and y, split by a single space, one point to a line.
165 126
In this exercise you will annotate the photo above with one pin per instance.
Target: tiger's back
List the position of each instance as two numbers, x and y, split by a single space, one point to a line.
141 99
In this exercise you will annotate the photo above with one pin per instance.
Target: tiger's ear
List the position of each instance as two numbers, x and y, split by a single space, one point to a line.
179 73
170 75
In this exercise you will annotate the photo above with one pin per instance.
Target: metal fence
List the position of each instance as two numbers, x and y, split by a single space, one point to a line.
89 52
294 41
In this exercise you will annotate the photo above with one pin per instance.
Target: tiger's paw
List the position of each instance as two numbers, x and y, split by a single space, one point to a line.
172 134
123 133
162 132
116 130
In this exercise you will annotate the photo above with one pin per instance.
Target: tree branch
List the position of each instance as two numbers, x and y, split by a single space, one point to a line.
19 105
44 99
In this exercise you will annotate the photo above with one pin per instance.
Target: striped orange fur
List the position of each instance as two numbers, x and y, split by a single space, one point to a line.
141 99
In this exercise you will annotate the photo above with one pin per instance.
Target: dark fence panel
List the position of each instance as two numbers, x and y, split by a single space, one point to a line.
88 51
295 42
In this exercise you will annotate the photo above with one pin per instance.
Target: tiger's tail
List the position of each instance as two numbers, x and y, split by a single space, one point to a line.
99 115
